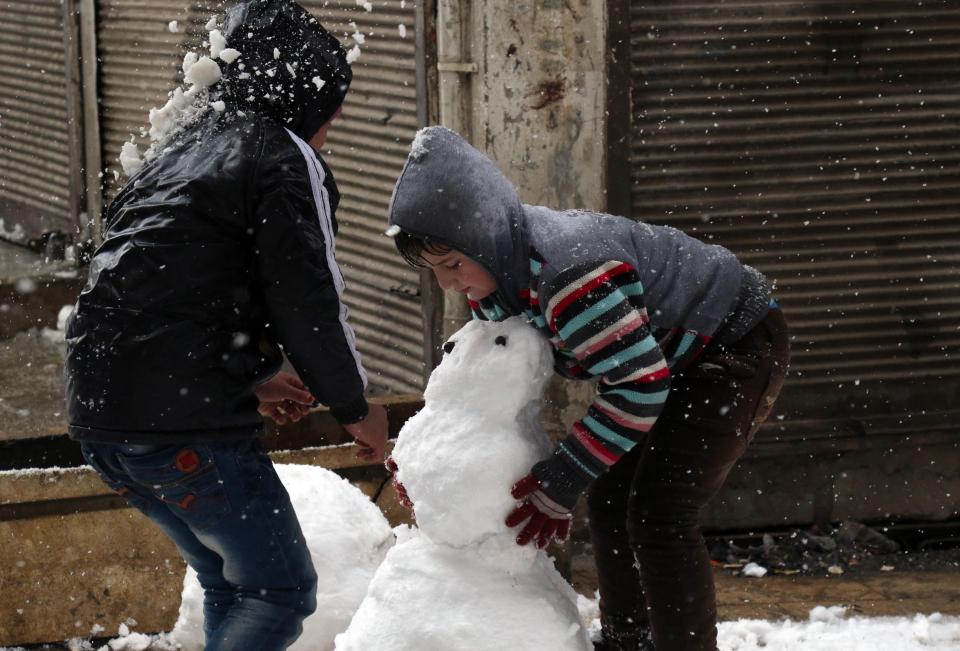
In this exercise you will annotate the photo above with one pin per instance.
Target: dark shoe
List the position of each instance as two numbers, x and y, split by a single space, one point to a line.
637 642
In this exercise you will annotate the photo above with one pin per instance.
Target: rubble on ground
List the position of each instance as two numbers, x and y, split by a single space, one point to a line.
815 551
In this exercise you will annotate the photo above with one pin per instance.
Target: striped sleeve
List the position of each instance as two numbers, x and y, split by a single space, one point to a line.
598 313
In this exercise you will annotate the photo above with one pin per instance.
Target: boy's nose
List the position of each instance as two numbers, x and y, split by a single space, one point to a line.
447 281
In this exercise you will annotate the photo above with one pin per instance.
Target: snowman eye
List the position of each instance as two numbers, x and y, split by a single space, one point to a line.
500 341
448 347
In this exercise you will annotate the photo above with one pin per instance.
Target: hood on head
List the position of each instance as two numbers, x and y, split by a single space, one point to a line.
453 194
290 68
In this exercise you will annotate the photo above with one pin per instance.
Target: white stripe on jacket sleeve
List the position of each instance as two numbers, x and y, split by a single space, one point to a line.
321 200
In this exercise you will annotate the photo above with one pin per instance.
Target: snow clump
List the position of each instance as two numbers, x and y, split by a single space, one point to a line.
183 107
130 159
418 148
217 43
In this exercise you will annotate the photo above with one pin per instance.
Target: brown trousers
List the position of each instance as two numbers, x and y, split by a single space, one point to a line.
652 562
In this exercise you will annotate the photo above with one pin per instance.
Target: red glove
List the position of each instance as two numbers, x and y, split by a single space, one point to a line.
547 518
398 488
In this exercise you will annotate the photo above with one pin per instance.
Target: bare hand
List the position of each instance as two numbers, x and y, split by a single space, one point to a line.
284 397
371 434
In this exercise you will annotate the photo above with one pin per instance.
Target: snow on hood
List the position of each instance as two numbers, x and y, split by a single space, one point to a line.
275 59
283 64
453 194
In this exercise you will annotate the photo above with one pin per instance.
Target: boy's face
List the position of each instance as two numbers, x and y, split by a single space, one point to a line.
319 139
455 271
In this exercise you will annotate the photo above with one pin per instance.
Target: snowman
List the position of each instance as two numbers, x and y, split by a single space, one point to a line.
348 538
460 582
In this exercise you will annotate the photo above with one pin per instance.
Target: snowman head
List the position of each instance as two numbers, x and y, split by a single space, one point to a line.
477 433
492 368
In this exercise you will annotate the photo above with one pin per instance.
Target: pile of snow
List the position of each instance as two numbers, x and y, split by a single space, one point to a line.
829 629
477 434
348 538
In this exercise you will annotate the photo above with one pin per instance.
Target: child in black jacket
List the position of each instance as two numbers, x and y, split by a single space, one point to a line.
217 253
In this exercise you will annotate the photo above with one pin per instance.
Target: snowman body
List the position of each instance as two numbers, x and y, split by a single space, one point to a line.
460 581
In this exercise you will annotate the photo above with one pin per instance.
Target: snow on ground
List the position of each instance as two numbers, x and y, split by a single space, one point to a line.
826 629
830 629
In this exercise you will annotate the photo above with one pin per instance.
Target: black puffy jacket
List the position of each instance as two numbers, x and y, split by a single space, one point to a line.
214 257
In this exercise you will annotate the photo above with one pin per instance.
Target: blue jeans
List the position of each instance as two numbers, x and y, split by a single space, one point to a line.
224 507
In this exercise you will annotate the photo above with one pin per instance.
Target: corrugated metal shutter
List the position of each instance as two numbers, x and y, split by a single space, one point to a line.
367 149
35 155
820 141
140 62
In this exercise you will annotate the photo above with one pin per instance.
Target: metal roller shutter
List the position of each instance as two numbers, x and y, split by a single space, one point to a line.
367 148
140 62
819 141
366 151
36 187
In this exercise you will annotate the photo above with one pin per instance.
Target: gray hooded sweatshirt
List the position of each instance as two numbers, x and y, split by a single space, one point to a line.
623 301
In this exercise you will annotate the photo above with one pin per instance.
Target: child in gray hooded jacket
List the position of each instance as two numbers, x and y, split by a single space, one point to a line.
687 346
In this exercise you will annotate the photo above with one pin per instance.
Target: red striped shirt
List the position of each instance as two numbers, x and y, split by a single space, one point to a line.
587 287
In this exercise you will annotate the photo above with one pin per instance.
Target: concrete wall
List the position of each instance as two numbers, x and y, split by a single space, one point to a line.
82 573
540 95
538 110
62 575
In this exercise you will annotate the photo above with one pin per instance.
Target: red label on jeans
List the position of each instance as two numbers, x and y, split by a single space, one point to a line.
187 460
